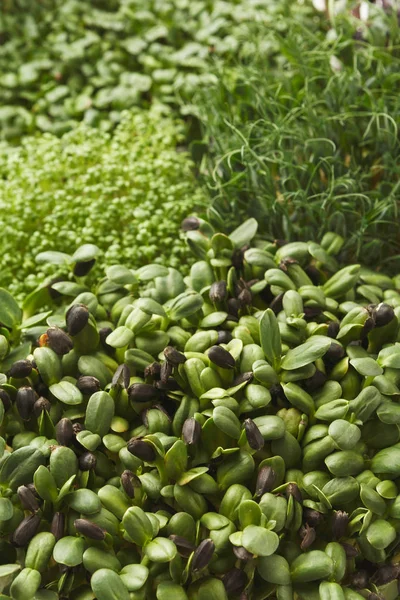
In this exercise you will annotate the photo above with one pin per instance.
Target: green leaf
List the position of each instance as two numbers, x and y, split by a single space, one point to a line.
249 513
380 534
270 338
214 521
134 45
149 272
6 509
69 551
69 288
19 466
35 319
7 574
53 257
214 319
66 392
306 353
243 234
85 253
311 566
345 434
221 242
192 474
389 412
387 462
150 307
167 590
368 367
45 484
134 576
372 500
99 413
10 312
259 541
97 558
138 525
84 501
274 569
26 584
227 422
121 275
176 460
120 337
185 305
36 299
160 550
108 585
89 440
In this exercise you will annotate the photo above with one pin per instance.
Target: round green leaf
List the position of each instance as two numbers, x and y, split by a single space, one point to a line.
69 551
96 558
213 319
311 566
89 440
85 253
380 534
108 585
387 462
120 337
25 584
274 569
120 274
84 501
214 521
387 489
149 272
345 434
259 541
389 412
66 392
244 233
134 576
167 590
249 513
160 550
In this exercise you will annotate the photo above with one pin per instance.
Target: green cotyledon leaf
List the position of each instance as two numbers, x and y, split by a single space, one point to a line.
270 338
306 353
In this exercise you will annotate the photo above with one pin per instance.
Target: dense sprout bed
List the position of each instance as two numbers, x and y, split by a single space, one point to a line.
64 61
126 193
308 141
233 434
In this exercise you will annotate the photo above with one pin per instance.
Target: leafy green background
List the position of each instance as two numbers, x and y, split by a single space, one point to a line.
126 192
66 61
